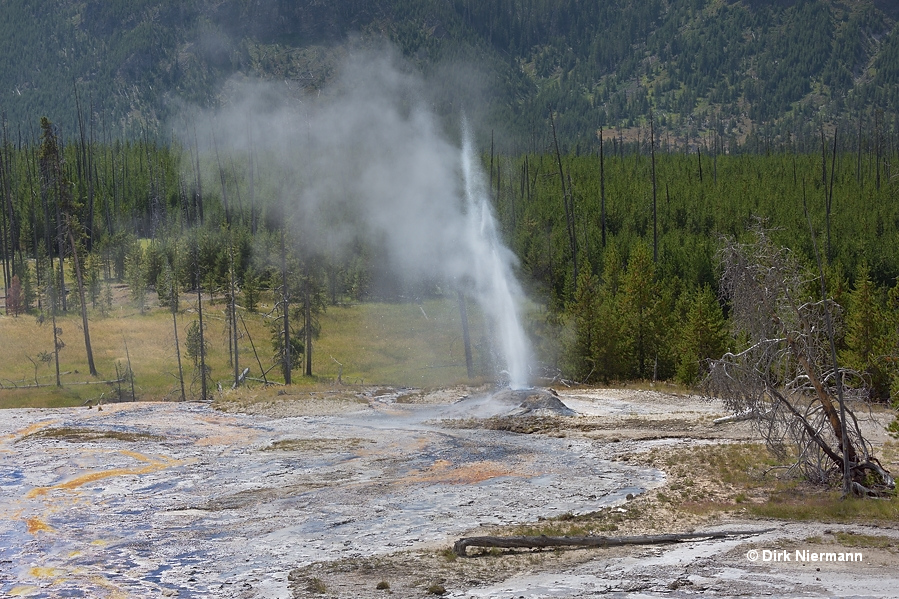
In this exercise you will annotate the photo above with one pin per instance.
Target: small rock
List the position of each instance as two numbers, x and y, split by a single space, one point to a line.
680 582
629 496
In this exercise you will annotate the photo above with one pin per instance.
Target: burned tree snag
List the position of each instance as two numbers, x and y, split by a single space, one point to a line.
463 316
539 542
602 190
568 203
786 377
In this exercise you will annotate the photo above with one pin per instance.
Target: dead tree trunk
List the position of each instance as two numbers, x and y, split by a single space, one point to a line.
787 376
568 203
460 547
307 318
57 342
79 277
285 311
232 314
602 189
655 218
178 351
466 340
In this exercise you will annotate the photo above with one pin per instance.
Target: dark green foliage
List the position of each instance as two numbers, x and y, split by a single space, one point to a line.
583 313
305 300
194 343
866 342
296 341
29 290
167 288
702 335
702 66
610 339
136 276
250 291
631 318
647 308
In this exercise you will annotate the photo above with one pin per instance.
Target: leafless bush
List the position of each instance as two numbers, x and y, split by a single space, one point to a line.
784 378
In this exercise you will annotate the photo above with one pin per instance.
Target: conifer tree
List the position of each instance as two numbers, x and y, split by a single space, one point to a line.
136 276
703 335
609 346
892 339
866 334
639 310
583 314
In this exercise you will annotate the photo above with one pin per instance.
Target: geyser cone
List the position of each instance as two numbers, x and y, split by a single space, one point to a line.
533 400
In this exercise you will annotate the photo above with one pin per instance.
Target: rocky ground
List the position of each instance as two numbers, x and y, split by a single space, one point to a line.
361 493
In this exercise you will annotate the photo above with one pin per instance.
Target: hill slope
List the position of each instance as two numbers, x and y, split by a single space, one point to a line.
701 65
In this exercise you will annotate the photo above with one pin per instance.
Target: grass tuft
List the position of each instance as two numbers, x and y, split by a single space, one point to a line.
827 506
317 585
89 435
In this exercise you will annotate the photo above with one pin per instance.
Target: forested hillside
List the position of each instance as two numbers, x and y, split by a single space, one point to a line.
775 69
619 249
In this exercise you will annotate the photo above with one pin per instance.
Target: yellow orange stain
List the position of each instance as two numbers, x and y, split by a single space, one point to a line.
41 572
35 525
22 591
152 465
443 471
114 591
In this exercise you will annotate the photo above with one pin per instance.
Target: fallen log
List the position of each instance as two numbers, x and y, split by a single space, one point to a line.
542 541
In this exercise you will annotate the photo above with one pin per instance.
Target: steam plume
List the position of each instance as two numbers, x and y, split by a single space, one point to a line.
367 159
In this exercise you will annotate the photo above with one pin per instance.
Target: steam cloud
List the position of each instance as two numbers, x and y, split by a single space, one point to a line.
368 159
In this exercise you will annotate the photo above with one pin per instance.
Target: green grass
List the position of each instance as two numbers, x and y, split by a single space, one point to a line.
317 586
850 539
827 506
317 445
397 344
404 344
749 477
87 435
50 397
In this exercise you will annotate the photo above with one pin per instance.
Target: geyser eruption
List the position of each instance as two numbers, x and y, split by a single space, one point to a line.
491 268
366 163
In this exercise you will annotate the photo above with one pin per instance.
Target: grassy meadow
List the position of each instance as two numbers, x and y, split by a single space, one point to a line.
372 343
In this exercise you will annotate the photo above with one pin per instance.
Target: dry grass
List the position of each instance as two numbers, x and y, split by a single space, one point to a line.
397 344
708 482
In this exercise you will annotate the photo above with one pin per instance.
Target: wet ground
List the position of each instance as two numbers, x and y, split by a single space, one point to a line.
311 497
160 499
